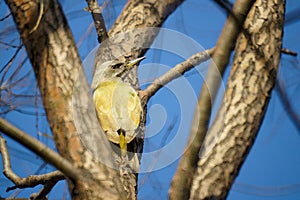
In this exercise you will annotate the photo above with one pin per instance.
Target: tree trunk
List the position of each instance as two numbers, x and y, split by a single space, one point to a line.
66 93
130 37
55 60
246 98
182 180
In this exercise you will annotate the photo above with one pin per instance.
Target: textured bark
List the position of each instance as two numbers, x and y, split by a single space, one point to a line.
96 12
66 94
182 180
57 67
127 36
127 41
249 88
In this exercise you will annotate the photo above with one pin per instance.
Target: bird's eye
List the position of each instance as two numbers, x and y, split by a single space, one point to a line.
116 66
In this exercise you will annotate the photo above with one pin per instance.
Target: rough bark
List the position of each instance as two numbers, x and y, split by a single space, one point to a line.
130 37
134 31
246 98
55 60
66 94
182 181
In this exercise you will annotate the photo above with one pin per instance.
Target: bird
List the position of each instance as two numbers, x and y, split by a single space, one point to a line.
117 103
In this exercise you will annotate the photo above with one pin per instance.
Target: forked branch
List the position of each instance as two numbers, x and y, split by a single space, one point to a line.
30 181
44 191
40 149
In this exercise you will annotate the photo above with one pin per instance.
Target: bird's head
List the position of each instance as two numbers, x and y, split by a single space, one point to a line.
112 70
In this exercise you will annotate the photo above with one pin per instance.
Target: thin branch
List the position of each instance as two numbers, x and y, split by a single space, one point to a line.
10 79
44 191
5 17
288 52
96 11
176 72
225 4
30 181
85 35
34 180
15 73
7 171
40 149
12 58
9 44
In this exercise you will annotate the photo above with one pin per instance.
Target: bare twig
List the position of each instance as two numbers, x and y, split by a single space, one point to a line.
6 161
12 58
9 44
85 35
5 17
44 191
34 180
289 52
9 83
175 72
96 11
30 181
40 149
225 4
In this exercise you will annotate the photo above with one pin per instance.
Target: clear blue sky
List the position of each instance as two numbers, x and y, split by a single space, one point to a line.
271 170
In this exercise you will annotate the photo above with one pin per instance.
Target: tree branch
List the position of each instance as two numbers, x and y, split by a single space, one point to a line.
182 181
96 11
245 101
130 37
44 191
175 72
288 52
40 149
34 180
8 64
67 100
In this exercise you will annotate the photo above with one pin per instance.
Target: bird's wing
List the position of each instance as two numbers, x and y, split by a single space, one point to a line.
134 107
103 101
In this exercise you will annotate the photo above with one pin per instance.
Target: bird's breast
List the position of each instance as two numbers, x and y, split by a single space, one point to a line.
118 106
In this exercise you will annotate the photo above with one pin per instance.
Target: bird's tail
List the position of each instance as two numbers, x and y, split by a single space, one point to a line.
123 143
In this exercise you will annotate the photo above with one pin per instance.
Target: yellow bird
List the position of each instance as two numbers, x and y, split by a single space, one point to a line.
118 105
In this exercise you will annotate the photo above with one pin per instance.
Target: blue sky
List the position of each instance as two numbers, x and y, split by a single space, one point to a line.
271 171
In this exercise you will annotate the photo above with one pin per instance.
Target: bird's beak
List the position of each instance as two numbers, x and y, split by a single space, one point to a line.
135 61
